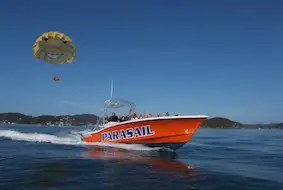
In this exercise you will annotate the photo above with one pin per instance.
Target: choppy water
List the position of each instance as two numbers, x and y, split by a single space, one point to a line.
215 159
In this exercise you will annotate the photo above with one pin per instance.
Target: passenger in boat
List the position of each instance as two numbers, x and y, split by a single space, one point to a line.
114 118
135 116
167 114
128 118
123 118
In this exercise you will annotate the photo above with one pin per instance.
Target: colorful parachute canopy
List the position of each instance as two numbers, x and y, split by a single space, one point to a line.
55 48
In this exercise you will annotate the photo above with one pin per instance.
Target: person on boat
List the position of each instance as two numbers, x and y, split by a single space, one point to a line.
134 116
123 118
167 114
114 118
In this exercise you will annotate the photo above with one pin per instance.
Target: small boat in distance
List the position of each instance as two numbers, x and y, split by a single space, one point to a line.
167 132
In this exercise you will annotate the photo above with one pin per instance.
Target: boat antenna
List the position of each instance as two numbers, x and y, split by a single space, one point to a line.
105 110
111 92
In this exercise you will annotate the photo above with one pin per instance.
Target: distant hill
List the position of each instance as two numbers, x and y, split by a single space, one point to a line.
266 126
19 118
219 122
280 126
15 118
91 119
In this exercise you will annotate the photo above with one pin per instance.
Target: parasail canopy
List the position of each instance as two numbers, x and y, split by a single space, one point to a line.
55 48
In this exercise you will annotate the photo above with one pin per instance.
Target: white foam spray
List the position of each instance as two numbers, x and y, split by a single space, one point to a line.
73 138
40 137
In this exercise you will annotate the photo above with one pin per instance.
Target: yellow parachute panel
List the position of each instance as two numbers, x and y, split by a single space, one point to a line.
55 48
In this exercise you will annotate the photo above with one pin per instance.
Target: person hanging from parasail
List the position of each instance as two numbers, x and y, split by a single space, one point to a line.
56 79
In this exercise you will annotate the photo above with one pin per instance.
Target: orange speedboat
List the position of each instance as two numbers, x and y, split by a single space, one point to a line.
169 131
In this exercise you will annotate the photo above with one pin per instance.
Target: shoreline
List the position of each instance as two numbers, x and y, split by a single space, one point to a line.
83 126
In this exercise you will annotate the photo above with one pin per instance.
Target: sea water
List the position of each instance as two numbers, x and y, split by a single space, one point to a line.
38 157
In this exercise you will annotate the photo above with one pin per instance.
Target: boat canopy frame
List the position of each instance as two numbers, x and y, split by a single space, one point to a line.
115 103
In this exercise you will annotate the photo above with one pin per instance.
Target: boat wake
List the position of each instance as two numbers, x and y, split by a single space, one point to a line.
69 138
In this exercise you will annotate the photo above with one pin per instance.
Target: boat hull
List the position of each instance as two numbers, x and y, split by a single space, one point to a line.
169 132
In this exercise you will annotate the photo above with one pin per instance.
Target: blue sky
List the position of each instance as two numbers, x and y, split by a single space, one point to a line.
220 58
